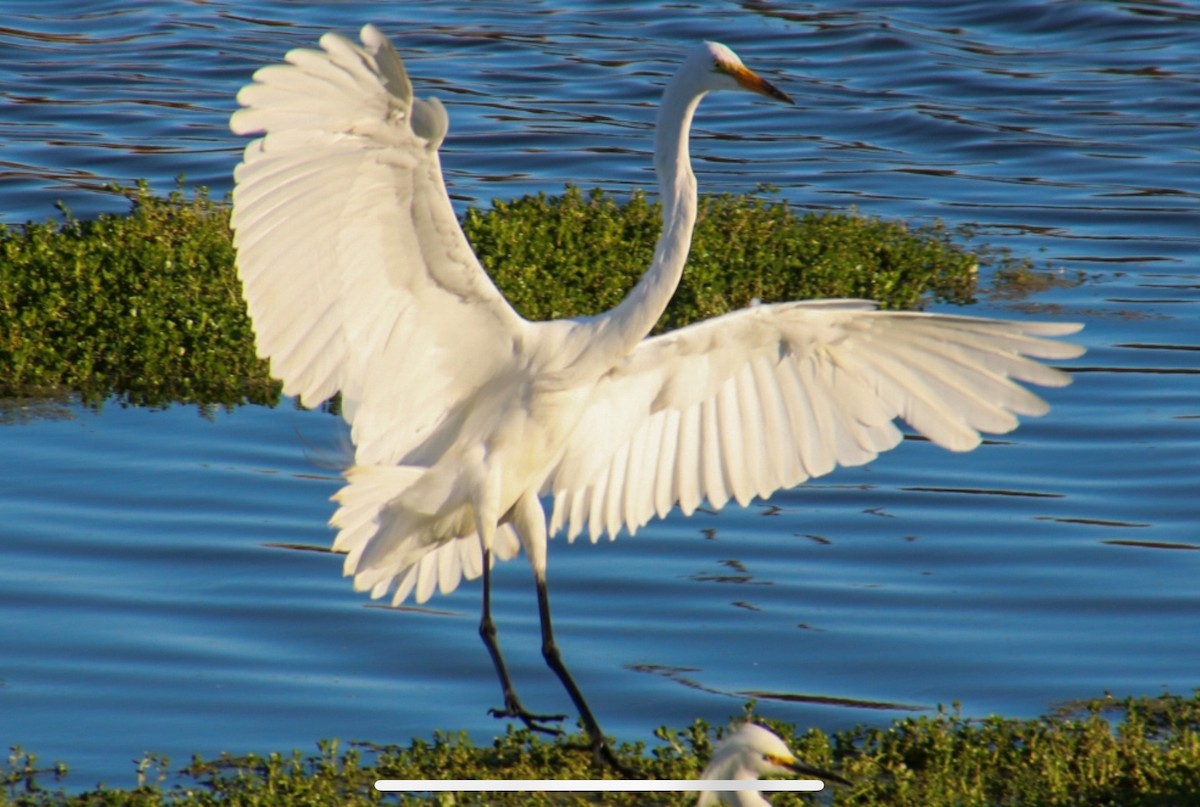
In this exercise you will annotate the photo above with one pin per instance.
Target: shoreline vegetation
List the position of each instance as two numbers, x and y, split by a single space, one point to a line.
146 307
1140 752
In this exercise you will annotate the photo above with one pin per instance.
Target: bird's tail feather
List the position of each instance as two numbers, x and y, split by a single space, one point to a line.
393 526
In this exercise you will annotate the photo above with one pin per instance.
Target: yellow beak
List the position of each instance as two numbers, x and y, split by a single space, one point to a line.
753 82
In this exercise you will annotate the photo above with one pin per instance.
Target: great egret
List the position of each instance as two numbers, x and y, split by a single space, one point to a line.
464 415
748 753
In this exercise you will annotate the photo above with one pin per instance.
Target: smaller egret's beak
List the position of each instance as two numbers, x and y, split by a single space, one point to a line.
753 82
800 769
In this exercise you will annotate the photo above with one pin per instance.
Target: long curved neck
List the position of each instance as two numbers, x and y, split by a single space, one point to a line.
622 328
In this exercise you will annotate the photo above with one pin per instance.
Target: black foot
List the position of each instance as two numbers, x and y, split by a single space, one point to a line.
534 722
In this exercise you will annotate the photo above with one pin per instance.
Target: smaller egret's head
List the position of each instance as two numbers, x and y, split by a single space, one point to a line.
750 752
763 751
725 71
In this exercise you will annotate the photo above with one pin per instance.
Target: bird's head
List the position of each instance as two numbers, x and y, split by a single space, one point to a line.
723 70
764 752
752 751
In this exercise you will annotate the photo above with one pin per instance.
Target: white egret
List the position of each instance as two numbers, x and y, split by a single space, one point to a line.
747 753
464 415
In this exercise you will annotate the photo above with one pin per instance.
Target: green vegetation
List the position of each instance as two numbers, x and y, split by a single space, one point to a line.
1137 753
147 306
574 254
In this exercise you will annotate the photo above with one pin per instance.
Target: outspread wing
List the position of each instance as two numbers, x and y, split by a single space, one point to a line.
766 397
357 275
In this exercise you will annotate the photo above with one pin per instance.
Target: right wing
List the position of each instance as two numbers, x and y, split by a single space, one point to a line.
356 273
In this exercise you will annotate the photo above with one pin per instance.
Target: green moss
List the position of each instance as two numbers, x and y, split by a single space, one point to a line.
147 306
1142 752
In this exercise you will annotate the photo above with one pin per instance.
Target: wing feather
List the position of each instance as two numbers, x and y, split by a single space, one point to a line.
738 475
713 474
596 493
758 444
578 511
780 454
689 490
763 398
615 492
664 498
640 473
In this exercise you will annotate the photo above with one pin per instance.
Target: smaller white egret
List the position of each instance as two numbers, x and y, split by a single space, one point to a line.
748 753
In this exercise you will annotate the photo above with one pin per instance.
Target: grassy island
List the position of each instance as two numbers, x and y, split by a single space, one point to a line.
147 306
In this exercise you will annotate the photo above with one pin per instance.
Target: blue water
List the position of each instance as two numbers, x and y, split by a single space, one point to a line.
148 602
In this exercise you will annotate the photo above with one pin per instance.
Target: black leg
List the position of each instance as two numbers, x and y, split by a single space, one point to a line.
487 632
600 749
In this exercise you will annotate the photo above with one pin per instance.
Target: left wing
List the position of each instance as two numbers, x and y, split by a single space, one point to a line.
763 398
